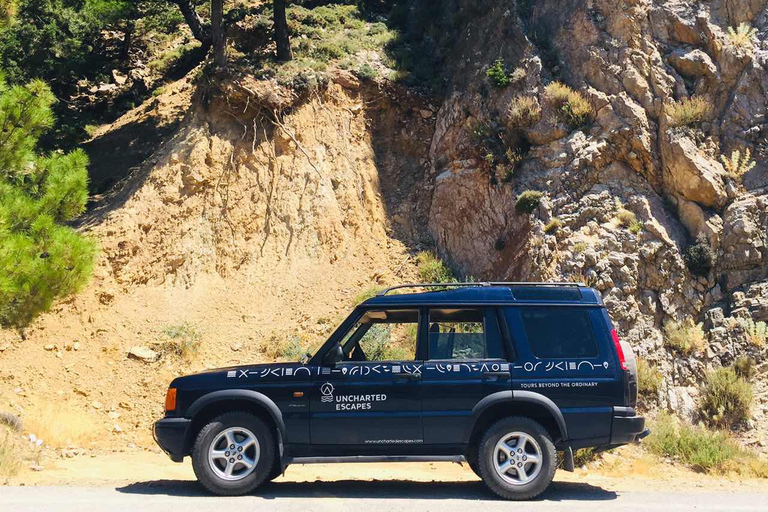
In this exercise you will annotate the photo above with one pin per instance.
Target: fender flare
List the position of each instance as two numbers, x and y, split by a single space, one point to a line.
516 396
239 394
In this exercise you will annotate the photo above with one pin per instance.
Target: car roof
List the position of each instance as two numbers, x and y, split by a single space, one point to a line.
456 294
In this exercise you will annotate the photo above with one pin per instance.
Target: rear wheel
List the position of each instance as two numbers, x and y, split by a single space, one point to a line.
233 454
517 459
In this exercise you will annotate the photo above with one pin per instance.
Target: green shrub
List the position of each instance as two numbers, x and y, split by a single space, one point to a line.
523 111
744 367
366 72
580 247
497 74
648 379
285 347
737 165
699 257
553 225
181 340
572 107
726 399
432 269
697 447
528 201
584 456
688 111
366 294
684 337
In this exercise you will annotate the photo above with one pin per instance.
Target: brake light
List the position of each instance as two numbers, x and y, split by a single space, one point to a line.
619 351
170 399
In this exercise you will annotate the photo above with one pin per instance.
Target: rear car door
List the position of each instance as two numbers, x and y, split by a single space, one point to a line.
372 397
466 361
563 353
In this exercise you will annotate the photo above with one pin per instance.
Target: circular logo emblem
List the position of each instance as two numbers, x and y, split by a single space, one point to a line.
326 389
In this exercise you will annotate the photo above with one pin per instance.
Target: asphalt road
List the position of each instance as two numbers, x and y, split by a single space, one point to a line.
361 496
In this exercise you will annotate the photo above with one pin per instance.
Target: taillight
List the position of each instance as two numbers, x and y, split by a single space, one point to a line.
619 351
170 399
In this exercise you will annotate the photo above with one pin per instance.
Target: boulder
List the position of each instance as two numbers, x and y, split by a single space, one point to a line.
142 354
691 173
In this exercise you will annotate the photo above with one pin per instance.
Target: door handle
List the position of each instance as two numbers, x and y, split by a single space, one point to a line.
496 375
408 376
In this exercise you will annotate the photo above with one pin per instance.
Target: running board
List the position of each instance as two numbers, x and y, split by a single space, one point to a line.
376 458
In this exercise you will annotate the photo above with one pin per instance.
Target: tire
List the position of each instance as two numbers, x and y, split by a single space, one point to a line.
216 472
504 437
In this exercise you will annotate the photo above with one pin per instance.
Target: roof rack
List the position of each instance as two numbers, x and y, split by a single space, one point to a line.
477 283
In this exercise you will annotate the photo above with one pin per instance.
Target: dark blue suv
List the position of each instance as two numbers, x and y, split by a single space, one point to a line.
500 375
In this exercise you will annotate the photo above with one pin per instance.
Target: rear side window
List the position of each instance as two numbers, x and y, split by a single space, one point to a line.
463 334
558 333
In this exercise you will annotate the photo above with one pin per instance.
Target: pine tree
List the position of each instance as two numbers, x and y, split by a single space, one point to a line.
41 258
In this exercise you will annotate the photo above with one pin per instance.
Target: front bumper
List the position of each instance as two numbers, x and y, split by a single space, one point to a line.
626 426
171 435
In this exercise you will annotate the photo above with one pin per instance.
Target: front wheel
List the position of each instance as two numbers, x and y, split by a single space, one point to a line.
233 454
517 459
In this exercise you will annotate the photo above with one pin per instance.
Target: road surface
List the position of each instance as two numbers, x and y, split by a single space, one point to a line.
364 496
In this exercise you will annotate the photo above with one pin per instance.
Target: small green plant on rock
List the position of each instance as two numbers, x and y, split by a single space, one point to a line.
648 379
553 225
367 72
756 331
743 36
366 294
572 107
497 74
528 201
684 337
738 164
688 111
699 257
726 399
580 247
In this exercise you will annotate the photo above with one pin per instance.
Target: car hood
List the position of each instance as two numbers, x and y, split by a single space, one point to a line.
238 376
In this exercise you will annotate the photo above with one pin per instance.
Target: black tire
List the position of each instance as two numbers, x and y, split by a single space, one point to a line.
263 467
475 468
487 456
276 471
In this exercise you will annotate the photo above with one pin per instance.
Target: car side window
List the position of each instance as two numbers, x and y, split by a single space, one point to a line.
462 334
559 333
383 335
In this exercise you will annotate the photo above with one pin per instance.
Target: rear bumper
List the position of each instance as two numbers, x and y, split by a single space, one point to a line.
171 435
626 426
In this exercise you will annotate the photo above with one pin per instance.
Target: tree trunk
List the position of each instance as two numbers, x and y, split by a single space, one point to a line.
195 23
127 40
282 38
218 36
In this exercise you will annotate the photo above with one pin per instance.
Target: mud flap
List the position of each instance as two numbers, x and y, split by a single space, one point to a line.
568 459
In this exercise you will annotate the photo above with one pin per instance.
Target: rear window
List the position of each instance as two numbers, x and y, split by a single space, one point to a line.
557 333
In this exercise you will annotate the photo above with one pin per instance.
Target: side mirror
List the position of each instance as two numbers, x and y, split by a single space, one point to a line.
334 355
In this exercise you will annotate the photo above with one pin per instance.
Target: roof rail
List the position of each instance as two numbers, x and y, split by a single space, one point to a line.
476 283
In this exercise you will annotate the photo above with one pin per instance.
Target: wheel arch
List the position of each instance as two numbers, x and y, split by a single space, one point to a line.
518 403
213 404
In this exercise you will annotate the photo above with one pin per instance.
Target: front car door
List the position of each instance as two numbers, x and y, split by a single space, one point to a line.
373 396
466 361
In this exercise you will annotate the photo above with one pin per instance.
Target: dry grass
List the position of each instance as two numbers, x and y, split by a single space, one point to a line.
523 111
572 107
10 453
59 425
742 36
757 332
181 340
649 379
738 164
688 111
553 225
684 337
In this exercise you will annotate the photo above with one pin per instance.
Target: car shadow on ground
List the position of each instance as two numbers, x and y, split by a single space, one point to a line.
379 489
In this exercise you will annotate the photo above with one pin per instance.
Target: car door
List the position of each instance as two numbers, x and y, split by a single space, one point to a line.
563 353
373 396
465 362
